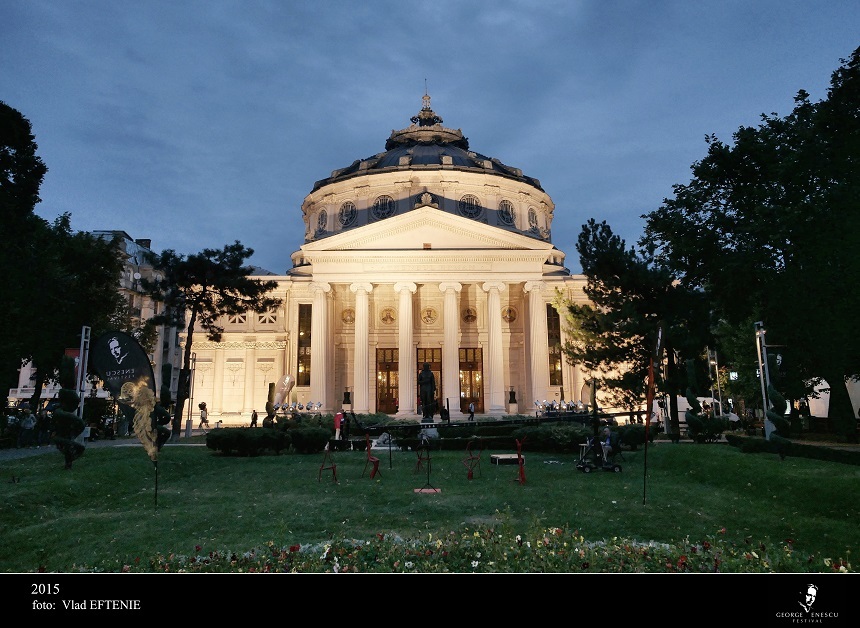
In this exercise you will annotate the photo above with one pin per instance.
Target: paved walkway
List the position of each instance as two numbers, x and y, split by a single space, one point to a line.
13 453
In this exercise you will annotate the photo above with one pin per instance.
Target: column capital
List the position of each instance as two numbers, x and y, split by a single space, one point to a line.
319 286
534 286
368 288
494 285
450 285
405 285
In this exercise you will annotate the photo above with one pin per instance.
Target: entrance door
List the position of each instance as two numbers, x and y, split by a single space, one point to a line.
433 357
471 379
387 363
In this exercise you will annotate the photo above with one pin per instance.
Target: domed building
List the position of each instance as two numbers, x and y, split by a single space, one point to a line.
427 252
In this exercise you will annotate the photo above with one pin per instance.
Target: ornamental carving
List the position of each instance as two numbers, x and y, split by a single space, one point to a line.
429 315
387 316
509 314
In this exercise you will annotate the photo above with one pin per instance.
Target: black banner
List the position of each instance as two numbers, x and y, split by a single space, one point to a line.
118 358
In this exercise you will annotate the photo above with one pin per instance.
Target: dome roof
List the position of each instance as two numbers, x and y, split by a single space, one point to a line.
426 144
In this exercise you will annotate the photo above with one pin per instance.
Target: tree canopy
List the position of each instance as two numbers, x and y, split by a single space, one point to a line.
54 281
198 290
615 335
769 227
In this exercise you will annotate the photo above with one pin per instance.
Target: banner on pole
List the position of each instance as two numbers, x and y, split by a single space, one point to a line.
118 358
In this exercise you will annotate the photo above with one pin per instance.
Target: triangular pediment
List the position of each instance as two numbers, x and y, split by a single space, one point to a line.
426 228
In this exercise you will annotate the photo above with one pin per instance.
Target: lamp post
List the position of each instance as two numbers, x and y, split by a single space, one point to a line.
763 375
712 361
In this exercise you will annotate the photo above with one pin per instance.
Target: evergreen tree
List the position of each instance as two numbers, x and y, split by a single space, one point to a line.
631 298
198 290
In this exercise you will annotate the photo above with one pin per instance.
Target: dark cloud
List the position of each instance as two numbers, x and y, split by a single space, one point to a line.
199 123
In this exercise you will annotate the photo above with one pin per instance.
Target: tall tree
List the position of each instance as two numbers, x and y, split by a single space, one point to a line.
72 283
197 291
614 336
21 174
770 227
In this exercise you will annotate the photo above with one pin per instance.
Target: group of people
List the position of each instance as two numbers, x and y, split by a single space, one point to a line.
34 430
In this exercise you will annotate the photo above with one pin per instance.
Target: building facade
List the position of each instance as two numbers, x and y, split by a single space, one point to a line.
427 252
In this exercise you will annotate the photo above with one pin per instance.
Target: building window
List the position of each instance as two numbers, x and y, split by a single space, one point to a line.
303 368
506 213
383 207
347 214
322 222
470 206
553 326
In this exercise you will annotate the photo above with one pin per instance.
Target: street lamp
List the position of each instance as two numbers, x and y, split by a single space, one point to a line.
712 361
763 375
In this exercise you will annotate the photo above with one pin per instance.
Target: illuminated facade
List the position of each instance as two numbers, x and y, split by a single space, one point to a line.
426 252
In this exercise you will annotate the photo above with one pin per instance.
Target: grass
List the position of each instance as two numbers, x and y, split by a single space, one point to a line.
106 512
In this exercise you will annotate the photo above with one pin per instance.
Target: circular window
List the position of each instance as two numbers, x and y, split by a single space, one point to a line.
347 214
383 207
506 212
470 206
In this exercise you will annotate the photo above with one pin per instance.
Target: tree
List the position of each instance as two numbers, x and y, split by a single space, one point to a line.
631 298
73 283
769 228
53 281
21 174
197 291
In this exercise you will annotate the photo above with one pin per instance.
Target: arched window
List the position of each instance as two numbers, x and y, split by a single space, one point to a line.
383 207
470 206
347 214
533 223
322 222
506 213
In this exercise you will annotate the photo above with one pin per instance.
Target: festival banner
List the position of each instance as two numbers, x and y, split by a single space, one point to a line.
118 358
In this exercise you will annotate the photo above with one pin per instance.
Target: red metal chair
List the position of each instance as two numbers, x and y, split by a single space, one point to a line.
472 461
328 463
371 460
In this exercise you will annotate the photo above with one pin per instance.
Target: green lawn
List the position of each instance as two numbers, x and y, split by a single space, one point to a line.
106 512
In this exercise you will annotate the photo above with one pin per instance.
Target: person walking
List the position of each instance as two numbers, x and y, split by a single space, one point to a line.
28 425
471 410
204 415
253 418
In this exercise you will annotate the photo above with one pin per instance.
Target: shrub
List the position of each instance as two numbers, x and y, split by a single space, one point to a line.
310 440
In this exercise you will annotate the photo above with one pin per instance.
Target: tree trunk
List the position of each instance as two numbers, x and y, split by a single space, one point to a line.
35 400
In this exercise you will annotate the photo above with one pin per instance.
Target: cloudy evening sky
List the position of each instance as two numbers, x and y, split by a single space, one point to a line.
197 123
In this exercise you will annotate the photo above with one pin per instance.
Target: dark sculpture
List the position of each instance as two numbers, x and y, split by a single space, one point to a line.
427 391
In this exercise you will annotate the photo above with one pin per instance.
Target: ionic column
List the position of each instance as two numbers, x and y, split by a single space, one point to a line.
250 375
361 393
494 373
320 341
538 345
451 348
406 364
219 357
